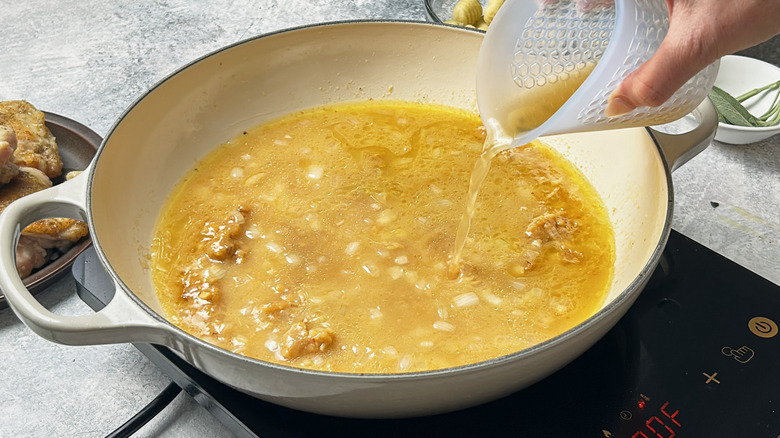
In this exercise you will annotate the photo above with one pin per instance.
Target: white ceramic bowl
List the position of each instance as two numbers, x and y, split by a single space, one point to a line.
439 11
740 74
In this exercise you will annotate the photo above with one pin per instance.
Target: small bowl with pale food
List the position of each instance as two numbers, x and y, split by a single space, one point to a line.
745 95
466 13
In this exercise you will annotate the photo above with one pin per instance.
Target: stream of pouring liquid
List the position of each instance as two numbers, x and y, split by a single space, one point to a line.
524 113
495 142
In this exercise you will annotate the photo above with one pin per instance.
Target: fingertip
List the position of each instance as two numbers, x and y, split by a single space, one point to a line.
618 105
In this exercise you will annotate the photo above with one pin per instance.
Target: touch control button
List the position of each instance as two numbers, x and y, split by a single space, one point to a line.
763 327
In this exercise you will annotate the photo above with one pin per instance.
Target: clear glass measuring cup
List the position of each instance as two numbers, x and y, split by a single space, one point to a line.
548 66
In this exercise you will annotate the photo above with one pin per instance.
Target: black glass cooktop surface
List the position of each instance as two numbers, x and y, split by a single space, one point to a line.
698 355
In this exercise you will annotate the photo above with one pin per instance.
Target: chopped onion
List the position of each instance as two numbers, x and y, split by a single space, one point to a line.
492 298
467 299
274 247
236 217
252 232
395 272
315 172
386 216
371 269
292 259
443 326
519 285
352 248
217 272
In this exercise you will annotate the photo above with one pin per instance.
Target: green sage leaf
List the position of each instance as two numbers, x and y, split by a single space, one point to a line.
731 110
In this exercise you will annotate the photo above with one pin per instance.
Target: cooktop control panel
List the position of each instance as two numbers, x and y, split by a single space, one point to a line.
696 356
709 351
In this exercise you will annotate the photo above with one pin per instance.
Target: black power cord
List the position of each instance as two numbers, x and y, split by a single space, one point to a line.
147 413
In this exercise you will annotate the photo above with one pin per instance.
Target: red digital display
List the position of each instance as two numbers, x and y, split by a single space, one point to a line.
662 425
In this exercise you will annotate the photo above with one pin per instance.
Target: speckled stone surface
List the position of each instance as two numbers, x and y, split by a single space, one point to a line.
744 182
89 60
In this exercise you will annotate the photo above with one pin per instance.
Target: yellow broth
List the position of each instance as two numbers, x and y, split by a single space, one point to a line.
322 240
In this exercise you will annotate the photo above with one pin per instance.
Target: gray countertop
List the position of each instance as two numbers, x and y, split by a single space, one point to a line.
89 60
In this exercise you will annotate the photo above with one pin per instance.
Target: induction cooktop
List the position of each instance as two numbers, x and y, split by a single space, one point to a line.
698 355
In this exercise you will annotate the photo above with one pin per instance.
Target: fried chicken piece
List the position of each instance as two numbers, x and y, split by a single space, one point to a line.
58 233
36 146
29 157
30 255
300 340
28 181
8 169
38 238
548 230
550 226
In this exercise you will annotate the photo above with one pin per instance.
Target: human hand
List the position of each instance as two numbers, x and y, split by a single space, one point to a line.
700 32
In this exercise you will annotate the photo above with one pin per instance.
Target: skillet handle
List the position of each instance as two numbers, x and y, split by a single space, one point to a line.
679 148
122 320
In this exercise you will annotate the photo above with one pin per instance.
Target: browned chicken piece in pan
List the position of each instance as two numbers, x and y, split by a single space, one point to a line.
550 226
38 238
28 181
36 146
57 232
8 169
29 254
29 158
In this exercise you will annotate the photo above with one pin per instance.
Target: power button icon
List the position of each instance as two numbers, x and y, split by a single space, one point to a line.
763 327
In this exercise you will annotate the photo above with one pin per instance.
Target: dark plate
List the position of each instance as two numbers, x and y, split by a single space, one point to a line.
77 145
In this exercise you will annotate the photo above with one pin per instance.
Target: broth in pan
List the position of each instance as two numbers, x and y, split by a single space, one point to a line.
323 240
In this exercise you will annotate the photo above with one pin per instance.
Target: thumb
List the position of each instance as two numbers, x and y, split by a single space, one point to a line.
655 81
688 47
